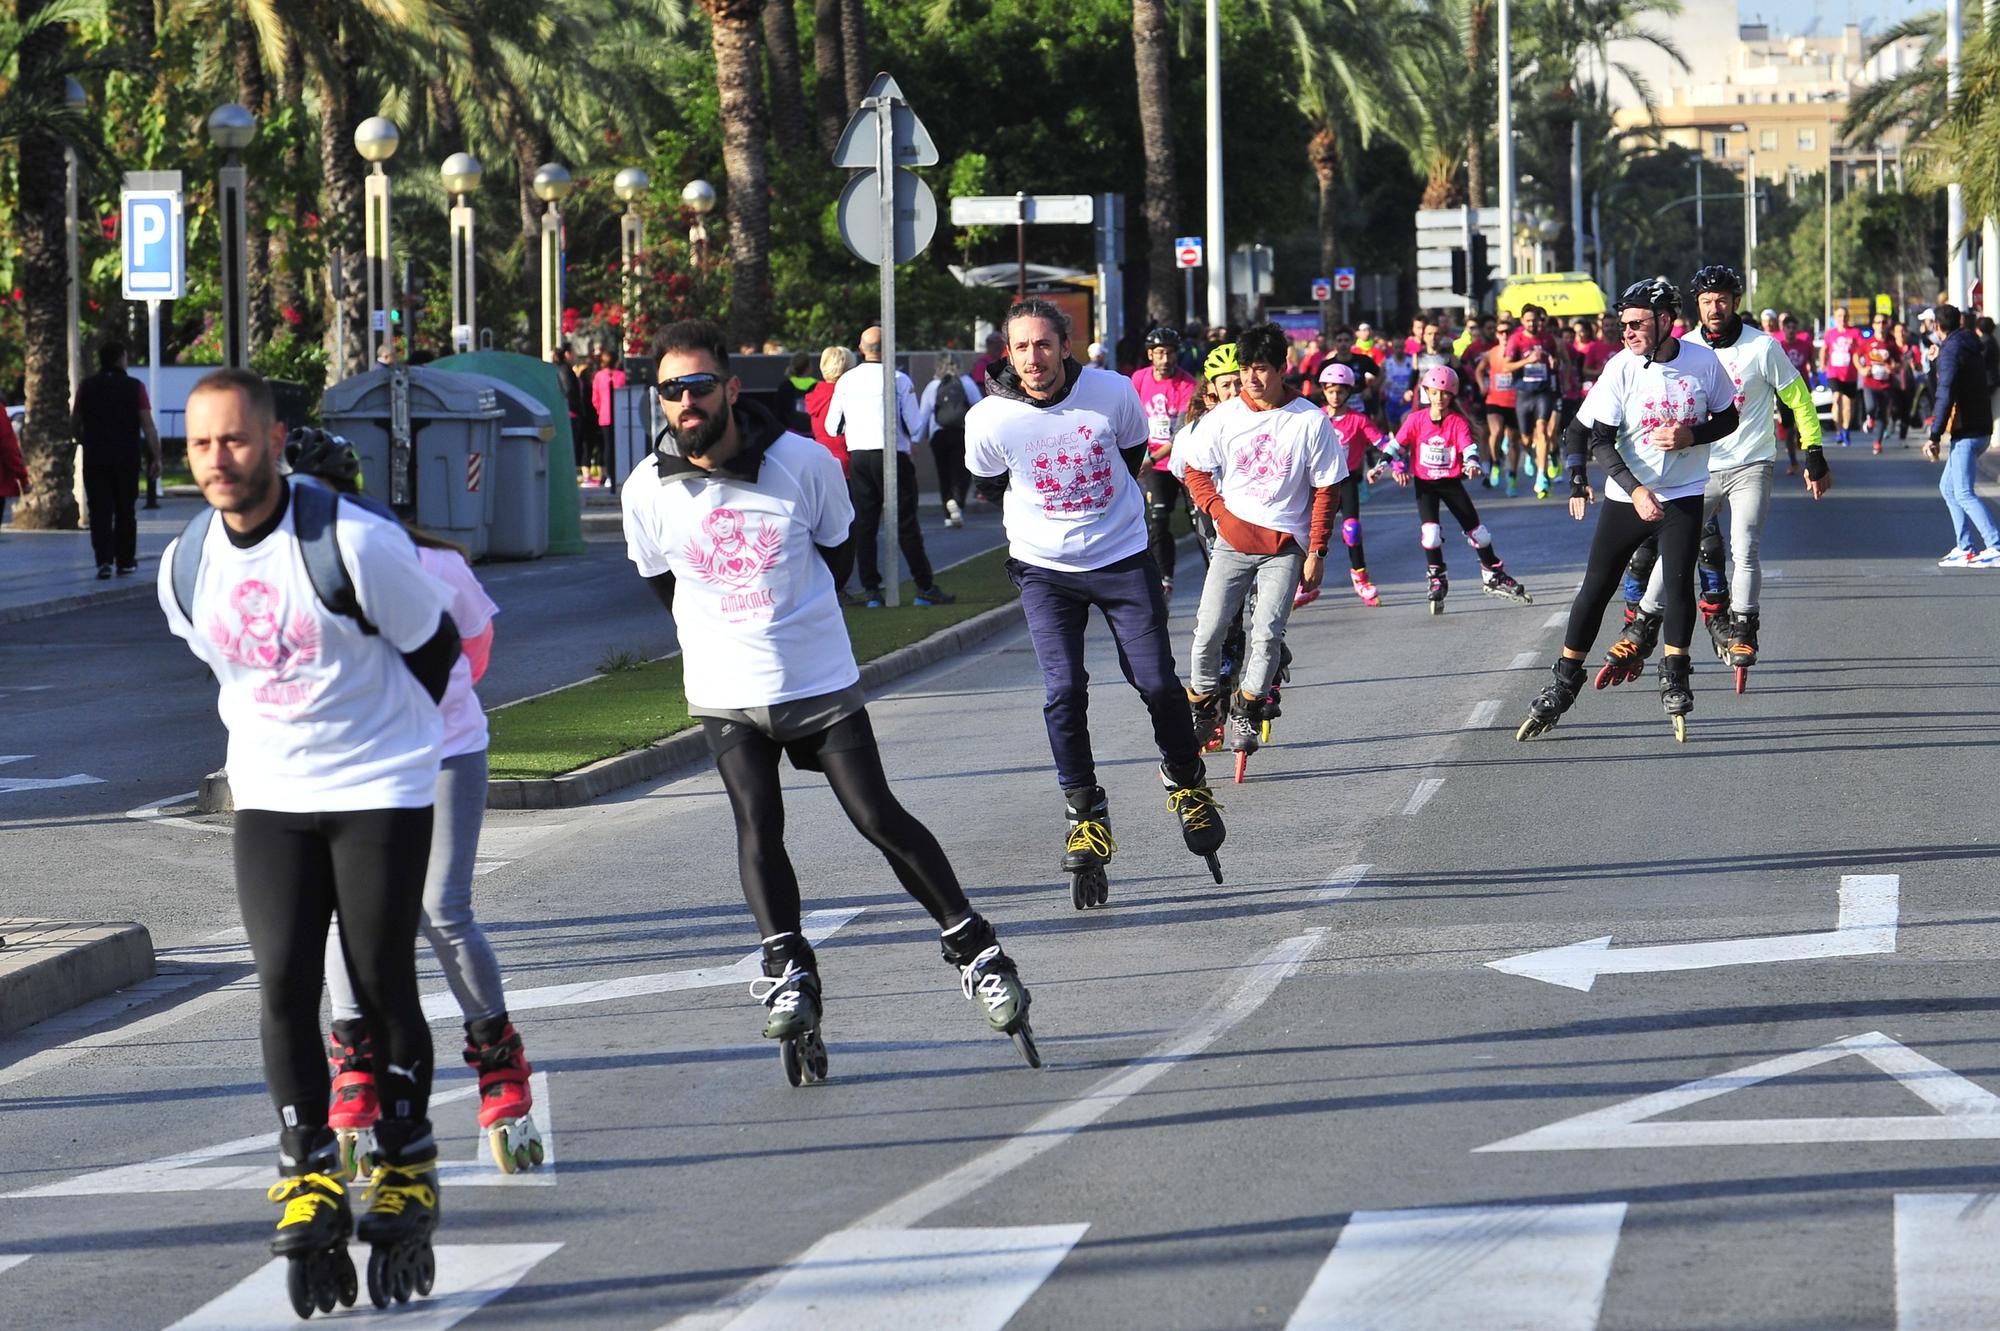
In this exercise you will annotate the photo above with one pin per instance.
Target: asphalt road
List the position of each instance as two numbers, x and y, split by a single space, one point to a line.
1306 1097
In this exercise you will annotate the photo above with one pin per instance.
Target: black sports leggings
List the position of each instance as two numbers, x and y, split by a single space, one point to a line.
293 870
1619 532
1163 496
749 769
1451 493
1348 505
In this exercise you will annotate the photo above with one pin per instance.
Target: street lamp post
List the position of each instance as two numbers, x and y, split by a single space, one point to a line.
1215 252
76 98
461 174
1750 224
231 128
698 196
552 185
630 185
1505 129
376 139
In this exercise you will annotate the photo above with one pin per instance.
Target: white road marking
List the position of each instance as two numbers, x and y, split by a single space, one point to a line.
10 1260
62 1054
1342 882
912 1279
224 947
14 785
1944 1259
1556 620
152 813
1965 1111
1866 927
501 843
1482 715
819 925
1266 972
1525 661
1421 796
469 1276
1499 1268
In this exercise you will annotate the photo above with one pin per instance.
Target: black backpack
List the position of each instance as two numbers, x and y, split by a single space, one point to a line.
951 405
314 510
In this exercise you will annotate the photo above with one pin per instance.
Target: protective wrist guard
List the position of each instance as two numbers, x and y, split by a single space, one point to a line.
1579 482
1816 467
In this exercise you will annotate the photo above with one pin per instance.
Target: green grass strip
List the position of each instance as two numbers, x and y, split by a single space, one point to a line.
632 704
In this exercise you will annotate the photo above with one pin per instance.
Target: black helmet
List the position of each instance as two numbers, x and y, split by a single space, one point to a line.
315 452
1164 336
1717 277
1652 293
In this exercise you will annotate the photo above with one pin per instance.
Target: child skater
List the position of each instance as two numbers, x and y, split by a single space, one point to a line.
1357 433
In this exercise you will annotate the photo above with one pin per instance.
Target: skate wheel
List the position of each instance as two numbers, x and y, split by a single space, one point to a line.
378 1277
347 1284
535 1153
1680 729
1214 865
1532 727
1024 1040
504 1153
298 1285
1742 678
1608 675
788 1055
1437 607
426 1270
816 1059
1089 888
1264 732
326 1279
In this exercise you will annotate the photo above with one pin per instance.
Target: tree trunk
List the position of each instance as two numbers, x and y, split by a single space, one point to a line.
1475 70
1163 202
829 74
740 82
251 92
286 292
1440 176
854 51
1323 152
788 97
145 27
43 272
341 170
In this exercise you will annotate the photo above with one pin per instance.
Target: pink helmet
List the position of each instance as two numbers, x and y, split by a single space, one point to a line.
1441 376
1336 375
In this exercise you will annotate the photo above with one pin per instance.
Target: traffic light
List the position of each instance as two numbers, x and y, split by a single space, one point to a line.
1458 272
1482 270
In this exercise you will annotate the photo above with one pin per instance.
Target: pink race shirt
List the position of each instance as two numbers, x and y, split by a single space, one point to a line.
1435 450
1164 403
1355 431
1843 350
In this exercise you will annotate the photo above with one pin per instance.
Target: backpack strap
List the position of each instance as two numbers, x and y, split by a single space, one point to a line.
315 511
187 560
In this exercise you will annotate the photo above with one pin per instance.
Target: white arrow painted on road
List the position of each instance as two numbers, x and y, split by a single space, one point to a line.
469 1276
818 926
14 785
1867 927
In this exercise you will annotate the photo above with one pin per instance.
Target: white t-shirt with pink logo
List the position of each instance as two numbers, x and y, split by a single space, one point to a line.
754 603
1071 504
322 717
471 610
1637 398
1266 464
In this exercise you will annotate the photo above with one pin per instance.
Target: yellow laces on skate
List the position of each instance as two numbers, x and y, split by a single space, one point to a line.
1192 805
302 1200
388 1197
1092 836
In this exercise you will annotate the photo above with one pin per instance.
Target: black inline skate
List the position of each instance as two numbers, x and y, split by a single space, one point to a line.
988 977
1498 582
1740 652
1440 588
1627 657
789 991
1554 700
1191 801
1249 727
314 1227
1677 691
1088 846
1208 711
402 1212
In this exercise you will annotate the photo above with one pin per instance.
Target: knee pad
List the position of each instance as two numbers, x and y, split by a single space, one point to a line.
1158 512
1640 566
1479 537
1350 531
1432 536
1712 550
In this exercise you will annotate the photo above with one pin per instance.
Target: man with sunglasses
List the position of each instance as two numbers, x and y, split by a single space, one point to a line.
742 529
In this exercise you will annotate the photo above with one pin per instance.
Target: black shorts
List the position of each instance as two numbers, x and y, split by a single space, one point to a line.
1844 387
852 731
1530 408
1496 412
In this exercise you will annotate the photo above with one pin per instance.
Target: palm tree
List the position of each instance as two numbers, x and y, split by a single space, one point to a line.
829 74
788 99
854 51
739 79
1163 200
1912 101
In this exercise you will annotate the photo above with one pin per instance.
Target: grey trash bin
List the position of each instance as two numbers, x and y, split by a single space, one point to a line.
520 528
454 435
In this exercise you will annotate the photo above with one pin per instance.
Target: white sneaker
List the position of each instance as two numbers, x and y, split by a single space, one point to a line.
1956 559
1987 558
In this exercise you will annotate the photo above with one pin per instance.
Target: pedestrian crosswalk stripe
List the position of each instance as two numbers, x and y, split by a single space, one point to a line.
469 1276
911 1279
10 1260
1945 1243
1498 1268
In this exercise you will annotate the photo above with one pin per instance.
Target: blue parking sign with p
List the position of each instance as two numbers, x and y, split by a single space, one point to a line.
154 240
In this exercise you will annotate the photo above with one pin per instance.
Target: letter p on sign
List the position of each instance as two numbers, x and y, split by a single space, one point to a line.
154 244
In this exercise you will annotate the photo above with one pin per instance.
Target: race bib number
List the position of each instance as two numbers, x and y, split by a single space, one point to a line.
1159 428
1435 455
1535 373
1840 358
1502 382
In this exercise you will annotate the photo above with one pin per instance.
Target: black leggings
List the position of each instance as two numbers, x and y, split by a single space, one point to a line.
1348 505
293 870
1619 532
1451 493
847 753
1163 496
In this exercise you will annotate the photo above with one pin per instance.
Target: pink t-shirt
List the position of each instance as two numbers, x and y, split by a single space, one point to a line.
1843 350
1435 450
472 610
601 385
1165 404
1356 431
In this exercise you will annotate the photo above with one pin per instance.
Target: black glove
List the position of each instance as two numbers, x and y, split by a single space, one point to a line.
1816 467
1579 482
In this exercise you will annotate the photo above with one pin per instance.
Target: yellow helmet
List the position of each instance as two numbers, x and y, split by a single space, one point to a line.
1221 361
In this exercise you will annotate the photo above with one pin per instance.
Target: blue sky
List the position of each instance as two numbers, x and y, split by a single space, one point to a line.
1831 15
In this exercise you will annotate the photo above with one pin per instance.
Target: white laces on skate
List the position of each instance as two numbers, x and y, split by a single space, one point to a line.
780 993
991 989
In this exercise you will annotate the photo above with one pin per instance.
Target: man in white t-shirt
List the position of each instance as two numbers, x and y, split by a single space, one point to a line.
1062 443
332 712
742 528
1650 419
1265 470
856 412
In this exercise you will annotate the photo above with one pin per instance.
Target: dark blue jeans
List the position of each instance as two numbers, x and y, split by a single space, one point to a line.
1057 606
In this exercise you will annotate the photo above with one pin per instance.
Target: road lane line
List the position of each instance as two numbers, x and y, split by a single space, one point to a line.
10 1260
1525 661
1342 882
151 813
1944 1259
912 1279
1482 715
1556 620
1422 794
469 1276
1499 1268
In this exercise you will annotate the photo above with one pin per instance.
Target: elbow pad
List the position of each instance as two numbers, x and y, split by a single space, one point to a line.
663 588
432 662
839 560
990 488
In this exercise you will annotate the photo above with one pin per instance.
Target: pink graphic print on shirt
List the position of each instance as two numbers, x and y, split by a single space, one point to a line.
1073 472
1261 467
1672 403
257 641
736 562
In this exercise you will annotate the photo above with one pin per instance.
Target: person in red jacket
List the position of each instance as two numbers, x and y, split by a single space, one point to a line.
833 362
13 470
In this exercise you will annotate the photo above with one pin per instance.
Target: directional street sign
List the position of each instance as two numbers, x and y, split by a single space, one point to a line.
1322 289
1022 209
1187 251
1343 279
154 237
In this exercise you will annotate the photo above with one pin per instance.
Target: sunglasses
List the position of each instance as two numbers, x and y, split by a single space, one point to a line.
1639 327
689 385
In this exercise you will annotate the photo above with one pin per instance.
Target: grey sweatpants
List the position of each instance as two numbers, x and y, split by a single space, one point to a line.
1747 491
1231 574
470 967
